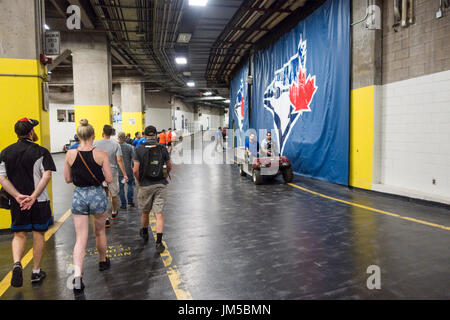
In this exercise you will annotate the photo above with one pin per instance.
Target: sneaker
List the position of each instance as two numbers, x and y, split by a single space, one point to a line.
160 248
131 204
104 265
123 207
143 235
17 278
78 285
38 277
107 224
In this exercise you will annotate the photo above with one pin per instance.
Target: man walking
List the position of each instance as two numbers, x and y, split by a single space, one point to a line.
115 159
128 156
25 170
151 167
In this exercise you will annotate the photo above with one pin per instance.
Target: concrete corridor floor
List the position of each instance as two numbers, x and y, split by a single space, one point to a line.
229 239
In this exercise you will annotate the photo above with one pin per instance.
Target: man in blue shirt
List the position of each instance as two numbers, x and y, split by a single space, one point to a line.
76 144
252 147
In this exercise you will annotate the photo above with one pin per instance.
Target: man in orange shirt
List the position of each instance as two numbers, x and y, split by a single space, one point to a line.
169 140
163 138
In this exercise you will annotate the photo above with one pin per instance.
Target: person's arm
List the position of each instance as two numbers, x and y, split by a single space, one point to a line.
263 149
122 167
106 166
68 169
9 187
28 203
136 170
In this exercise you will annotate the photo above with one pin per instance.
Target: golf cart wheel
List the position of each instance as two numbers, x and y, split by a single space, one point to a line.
288 176
241 170
257 178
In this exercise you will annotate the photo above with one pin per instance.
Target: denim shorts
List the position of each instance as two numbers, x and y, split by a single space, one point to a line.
89 200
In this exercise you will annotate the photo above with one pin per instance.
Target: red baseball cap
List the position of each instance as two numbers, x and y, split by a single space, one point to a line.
24 126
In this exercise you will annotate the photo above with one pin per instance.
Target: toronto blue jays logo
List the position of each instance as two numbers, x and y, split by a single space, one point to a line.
239 106
290 94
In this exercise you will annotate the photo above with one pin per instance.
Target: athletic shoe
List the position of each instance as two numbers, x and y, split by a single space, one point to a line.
143 235
17 277
104 265
78 285
38 277
107 224
131 204
114 216
160 248
123 207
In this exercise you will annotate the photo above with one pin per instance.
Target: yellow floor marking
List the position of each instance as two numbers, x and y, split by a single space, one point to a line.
372 209
6 282
172 270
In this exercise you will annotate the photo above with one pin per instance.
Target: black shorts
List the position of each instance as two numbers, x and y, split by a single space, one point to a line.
169 144
38 218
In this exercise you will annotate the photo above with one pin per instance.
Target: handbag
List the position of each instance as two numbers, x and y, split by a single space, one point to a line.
93 175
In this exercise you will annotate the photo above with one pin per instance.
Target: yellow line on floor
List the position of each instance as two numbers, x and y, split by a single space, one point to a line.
172 271
435 225
6 281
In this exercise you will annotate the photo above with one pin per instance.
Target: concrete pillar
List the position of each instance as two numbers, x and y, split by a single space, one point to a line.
365 102
132 104
21 40
92 79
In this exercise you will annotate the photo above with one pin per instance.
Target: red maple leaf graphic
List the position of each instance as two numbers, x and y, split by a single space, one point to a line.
242 106
301 96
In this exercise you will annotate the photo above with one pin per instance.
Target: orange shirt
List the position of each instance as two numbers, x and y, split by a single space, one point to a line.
162 138
169 137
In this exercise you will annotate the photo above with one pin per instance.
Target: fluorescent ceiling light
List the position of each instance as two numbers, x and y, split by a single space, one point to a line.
200 3
46 27
191 84
227 101
187 73
184 37
180 60
207 93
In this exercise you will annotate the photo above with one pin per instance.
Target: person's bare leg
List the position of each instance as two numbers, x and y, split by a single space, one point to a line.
38 248
145 220
81 223
115 203
19 243
159 222
100 235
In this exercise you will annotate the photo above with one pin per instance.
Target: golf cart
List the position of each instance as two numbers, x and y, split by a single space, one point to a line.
263 167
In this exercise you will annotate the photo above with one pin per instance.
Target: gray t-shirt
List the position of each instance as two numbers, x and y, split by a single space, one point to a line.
128 157
113 149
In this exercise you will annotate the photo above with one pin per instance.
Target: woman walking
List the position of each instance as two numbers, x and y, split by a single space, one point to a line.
87 168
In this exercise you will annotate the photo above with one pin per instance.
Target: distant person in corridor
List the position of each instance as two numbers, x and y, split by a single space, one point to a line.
115 160
128 156
87 168
25 170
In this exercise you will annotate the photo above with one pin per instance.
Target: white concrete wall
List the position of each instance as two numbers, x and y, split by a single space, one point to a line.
415 137
60 132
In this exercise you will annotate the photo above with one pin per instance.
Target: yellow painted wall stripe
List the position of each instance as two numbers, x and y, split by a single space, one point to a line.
6 282
372 209
97 116
179 287
137 117
361 137
21 97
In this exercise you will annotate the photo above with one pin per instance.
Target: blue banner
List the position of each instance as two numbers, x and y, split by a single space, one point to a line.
301 91
238 114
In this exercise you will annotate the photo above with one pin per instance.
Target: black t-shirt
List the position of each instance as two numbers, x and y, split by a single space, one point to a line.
24 163
140 152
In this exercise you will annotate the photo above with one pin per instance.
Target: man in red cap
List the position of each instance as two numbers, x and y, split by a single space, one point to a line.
25 170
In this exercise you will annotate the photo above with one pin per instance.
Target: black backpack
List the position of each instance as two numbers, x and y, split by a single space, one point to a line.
153 166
